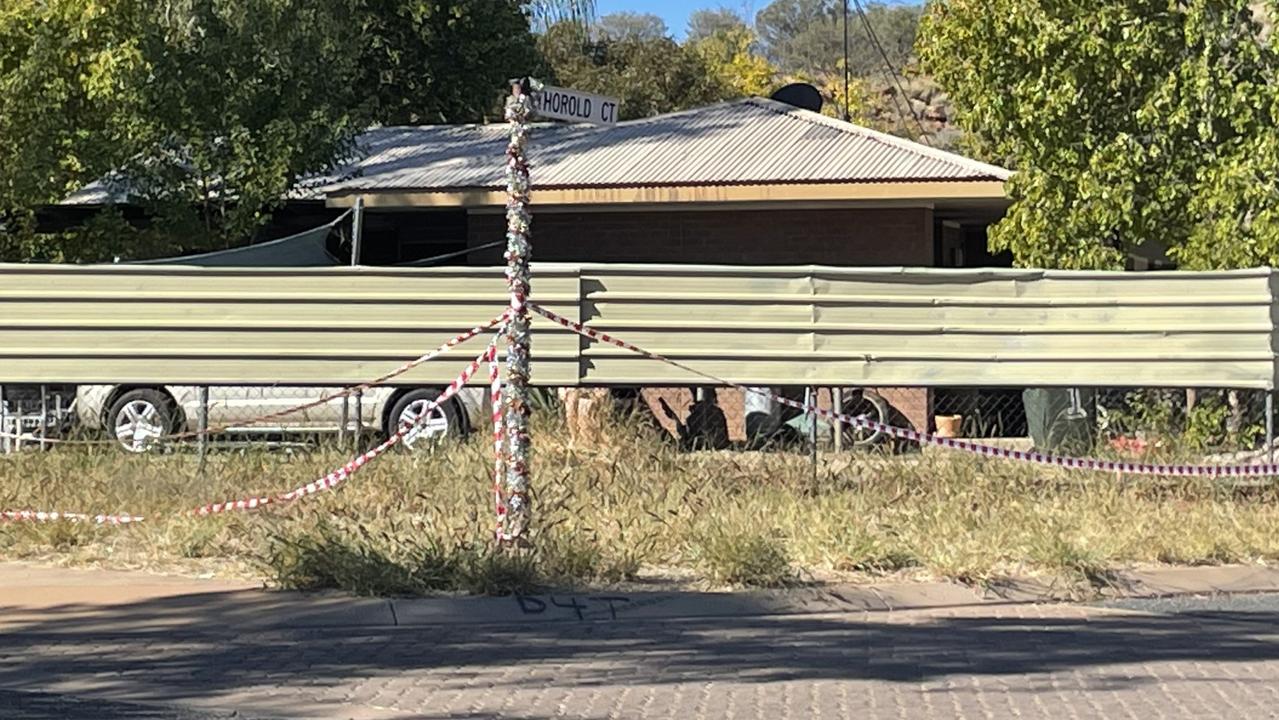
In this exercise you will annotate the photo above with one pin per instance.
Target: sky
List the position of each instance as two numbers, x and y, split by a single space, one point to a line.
676 12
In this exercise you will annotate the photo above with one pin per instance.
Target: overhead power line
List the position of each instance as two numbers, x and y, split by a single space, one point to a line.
892 72
847 112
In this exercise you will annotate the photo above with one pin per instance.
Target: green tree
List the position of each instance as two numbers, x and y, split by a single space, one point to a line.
649 76
802 36
208 111
433 61
806 37
62 63
705 23
1129 121
729 54
247 96
630 26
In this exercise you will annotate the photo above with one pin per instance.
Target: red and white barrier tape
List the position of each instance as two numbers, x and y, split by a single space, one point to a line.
405 367
40 516
344 392
327 482
37 440
1091 464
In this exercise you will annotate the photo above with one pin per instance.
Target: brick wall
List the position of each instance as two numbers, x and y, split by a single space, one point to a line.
870 236
908 407
863 236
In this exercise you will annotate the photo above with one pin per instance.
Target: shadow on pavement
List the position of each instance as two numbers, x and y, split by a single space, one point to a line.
49 706
171 648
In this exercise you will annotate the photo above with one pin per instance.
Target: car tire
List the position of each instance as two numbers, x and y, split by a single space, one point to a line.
445 421
872 405
139 419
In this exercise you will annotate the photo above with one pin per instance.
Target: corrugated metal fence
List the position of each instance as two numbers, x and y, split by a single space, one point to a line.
760 325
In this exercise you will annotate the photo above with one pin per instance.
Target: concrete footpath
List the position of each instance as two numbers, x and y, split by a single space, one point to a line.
95 600
103 645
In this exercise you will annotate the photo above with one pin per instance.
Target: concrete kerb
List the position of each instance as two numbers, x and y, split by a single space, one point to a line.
681 605
56 600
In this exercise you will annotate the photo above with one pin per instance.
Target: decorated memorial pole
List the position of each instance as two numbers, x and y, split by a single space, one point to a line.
516 511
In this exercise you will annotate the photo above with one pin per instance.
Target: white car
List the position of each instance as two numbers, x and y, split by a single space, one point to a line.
137 415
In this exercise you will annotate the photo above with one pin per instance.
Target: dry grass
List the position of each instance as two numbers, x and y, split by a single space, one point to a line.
606 515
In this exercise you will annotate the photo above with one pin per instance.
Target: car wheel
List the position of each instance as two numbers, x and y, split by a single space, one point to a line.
872 405
441 422
139 419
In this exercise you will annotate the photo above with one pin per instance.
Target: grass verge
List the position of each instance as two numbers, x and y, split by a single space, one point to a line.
606 515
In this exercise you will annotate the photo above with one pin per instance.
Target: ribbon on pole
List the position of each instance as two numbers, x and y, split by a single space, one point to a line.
515 400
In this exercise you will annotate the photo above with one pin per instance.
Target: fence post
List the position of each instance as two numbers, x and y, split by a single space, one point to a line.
810 399
515 401
57 412
342 423
1270 426
359 419
6 442
44 416
202 422
837 402
357 230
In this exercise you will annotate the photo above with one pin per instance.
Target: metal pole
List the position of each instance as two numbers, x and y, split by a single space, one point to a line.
357 230
1270 426
837 399
515 400
202 420
346 418
57 412
810 399
359 418
44 415
5 442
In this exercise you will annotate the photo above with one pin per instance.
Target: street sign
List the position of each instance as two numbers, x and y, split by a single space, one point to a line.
556 103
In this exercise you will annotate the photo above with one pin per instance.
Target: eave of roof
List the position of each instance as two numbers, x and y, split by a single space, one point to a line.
917 192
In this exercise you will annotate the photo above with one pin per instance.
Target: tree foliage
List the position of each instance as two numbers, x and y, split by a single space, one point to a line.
1129 122
629 25
649 76
706 22
62 62
212 109
246 97
432 61
729 55
806 37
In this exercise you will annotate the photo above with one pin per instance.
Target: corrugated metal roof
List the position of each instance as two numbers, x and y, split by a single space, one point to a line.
745 142
752 141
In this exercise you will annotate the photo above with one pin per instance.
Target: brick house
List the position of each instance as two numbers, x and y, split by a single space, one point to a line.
754 181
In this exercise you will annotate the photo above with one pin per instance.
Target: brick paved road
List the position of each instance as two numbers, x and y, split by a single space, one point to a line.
1192 661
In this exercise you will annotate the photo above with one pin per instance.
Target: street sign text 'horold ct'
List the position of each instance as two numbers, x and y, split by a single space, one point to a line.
556 103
